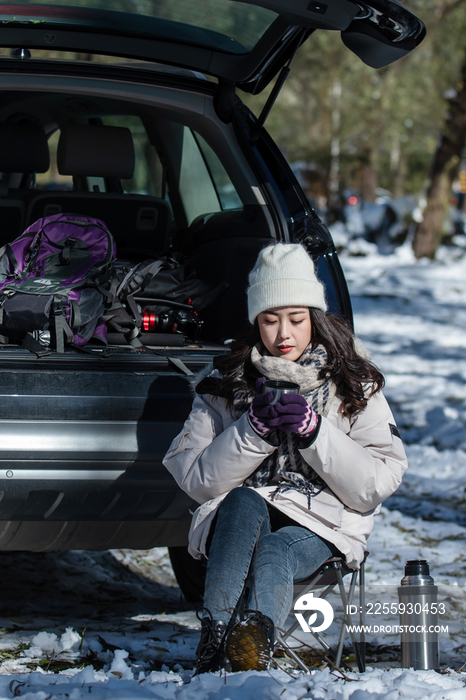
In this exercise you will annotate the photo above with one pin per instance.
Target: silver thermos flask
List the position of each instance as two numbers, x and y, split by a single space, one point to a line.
418 604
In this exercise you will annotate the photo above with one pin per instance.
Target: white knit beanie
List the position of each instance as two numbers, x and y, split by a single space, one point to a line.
284 275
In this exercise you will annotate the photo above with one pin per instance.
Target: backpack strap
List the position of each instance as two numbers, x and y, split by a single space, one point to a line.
33 345
137 274
101 283
75 314
8 251
62 330
179 365
176 362
135 280
119 319
135 311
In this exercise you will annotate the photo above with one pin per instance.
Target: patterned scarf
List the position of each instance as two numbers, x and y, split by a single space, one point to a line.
285 467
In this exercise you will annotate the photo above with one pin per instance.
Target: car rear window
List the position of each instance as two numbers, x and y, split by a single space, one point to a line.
234 27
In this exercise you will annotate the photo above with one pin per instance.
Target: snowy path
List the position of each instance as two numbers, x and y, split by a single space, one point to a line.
121 613
412 318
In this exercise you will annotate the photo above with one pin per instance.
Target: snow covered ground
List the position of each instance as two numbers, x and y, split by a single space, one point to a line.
112 625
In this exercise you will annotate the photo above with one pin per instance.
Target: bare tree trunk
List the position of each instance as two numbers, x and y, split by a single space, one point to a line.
368 183
399 177
366 176
428 234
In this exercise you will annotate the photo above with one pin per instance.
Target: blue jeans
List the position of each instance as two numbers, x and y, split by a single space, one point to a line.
244 547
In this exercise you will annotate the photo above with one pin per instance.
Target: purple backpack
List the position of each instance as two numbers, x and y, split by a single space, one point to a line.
54 278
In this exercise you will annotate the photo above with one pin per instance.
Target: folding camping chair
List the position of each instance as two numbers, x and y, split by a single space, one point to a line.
329 576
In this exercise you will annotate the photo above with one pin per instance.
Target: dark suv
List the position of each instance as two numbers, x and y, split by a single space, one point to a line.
83 434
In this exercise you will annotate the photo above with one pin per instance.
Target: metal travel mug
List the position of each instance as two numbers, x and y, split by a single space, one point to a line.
277 387
418 606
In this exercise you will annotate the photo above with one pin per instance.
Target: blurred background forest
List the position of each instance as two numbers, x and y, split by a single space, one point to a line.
363 136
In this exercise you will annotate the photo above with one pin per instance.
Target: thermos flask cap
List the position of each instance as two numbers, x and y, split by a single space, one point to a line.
416 567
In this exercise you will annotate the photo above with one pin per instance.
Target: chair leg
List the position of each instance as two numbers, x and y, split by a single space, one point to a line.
335 657
341 642
347 619
346 616
328 649
358 643
308 587
362 616
293 655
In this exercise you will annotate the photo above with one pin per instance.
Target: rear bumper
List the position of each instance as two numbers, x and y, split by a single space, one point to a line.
88 471
94 535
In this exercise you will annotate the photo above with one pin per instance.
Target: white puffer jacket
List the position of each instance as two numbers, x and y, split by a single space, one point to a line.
362 461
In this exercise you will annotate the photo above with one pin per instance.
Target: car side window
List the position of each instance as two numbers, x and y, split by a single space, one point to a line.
226 192
203 183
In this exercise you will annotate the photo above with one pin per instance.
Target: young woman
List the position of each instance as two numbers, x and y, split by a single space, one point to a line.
282 485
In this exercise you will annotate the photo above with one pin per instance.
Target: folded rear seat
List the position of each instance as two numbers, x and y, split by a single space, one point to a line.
139 223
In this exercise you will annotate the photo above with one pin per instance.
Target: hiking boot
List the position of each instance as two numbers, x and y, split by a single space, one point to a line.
249 645
210 651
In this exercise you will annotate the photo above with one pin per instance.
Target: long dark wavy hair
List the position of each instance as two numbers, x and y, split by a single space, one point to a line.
350 372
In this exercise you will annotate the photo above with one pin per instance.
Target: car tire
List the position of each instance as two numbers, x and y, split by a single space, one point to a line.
189 573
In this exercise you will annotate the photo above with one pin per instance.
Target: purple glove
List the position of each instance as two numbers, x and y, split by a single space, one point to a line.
261 411
294 415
